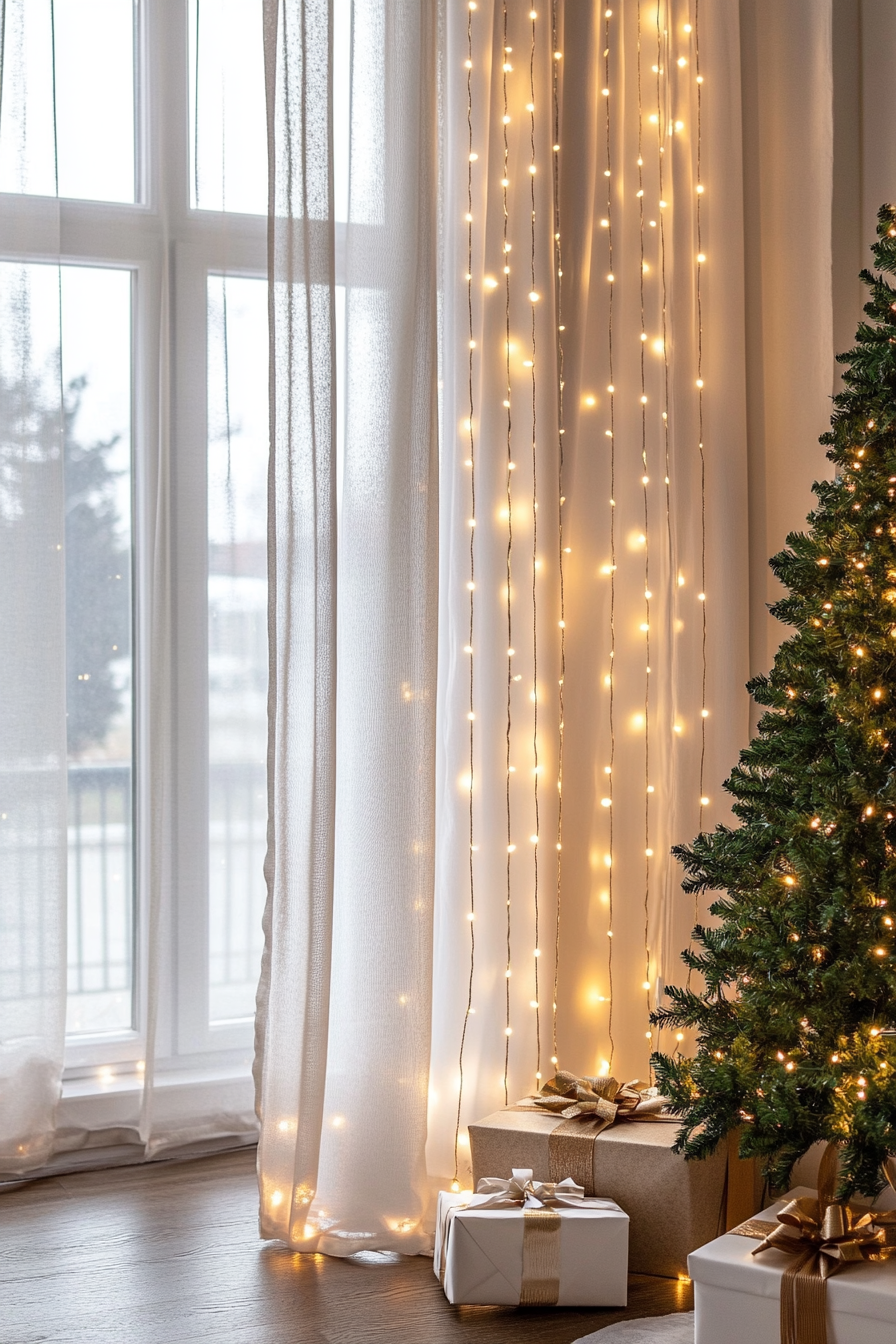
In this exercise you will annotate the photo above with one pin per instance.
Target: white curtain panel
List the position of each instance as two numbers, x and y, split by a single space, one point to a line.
33 800
33 822
344 1020
344 1001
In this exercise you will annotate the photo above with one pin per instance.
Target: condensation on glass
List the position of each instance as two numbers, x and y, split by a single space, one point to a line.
65 429
237 638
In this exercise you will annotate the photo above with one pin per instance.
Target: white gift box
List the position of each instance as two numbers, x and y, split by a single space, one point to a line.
479 1252
737 1294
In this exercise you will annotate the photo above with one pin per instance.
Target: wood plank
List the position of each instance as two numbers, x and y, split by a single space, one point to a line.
169 1254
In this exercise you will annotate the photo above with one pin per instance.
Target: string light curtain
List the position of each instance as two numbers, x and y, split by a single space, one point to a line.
595 290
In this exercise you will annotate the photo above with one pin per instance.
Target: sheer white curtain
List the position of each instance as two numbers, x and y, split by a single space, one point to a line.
33 840
344 1032
33 728
344 1001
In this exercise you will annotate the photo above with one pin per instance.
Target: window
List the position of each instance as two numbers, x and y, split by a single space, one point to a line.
134 236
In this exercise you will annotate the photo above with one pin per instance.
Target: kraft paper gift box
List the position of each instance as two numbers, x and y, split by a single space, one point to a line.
674 1206
508 1256
737 1295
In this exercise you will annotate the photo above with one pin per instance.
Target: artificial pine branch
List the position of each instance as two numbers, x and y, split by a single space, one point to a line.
799 971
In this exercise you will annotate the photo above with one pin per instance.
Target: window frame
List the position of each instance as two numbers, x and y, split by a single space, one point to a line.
170 248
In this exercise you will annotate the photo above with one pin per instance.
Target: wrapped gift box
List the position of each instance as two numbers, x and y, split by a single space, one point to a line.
479 1254
674 1206
737 1294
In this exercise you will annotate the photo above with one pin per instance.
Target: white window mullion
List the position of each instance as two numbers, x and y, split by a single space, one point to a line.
191 549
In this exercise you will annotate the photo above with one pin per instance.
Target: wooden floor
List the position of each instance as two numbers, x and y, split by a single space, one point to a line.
169 1254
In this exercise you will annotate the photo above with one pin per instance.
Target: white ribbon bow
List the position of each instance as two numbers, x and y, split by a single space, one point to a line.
521 1191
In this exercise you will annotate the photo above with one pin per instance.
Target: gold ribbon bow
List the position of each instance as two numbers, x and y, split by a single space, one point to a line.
823 1234
588 1106
493 1192
570 1096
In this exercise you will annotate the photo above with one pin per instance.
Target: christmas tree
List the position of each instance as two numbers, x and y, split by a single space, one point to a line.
796 996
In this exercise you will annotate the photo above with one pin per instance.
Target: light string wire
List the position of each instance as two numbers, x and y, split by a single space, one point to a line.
230 501
2 54
506 67
471 585
608 175
663 132
196 109
229 497
644 485
695 28
558 266
59 299
533 361
662 114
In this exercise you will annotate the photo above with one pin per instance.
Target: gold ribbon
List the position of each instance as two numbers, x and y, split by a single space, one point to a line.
588 1106
822 1234
540 1202
540 1282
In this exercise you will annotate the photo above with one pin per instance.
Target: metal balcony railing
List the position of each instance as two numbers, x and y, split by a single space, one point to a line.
100 878
101 886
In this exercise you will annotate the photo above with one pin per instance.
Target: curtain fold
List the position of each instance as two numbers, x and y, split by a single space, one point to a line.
787 82
344 1001
293 1003
33 730
33 791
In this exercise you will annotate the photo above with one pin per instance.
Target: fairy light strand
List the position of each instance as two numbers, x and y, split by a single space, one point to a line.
608 175
662 100
662 117
509 553
700 396
699 302
558 267
471 466
533 361
695 28
646 516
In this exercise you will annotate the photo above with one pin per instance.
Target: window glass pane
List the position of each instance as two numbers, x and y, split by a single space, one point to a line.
87 312
228 137
96 365
68 99
237 638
